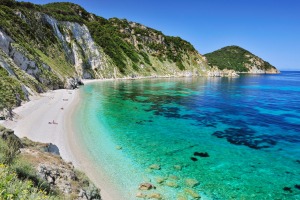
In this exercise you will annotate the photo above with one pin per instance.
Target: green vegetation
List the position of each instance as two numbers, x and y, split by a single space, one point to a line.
11 92
234 57
109 38
66 12
18 179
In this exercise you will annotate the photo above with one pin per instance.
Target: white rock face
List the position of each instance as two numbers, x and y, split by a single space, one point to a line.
84 39
54 24
5 42
5 65
78 44
19 58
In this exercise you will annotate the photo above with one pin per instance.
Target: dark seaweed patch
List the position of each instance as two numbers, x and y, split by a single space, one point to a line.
201 154
194 159
287 189
297 186
142 122
245 136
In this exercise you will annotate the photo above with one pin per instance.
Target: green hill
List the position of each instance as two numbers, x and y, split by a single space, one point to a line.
240 60
52 46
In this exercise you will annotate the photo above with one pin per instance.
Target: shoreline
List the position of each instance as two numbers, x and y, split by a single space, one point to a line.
34 120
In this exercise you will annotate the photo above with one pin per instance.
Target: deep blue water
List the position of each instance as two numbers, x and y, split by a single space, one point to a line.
238 137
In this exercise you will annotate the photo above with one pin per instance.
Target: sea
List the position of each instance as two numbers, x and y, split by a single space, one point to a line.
210 137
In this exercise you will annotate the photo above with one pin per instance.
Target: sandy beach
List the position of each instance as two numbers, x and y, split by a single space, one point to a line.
47 118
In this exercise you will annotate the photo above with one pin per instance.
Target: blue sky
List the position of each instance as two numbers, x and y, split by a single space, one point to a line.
267 28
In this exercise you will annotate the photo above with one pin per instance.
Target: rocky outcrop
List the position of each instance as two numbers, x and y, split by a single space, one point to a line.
215 72
78 45
51 168
26 62
64 178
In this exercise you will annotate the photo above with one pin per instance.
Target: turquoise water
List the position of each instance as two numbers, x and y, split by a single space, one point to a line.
238 137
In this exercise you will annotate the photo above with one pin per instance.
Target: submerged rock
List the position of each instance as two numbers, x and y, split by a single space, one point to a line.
191 182
160 179
171 184
181 197
155 166
192 193
177 167
146 186
154 196
140 195
173 177
118 147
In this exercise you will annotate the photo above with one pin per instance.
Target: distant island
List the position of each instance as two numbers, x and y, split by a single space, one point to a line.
240 60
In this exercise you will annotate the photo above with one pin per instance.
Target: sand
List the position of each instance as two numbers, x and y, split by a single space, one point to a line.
35 118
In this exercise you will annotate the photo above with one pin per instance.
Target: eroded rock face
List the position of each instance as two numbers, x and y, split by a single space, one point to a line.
73 83
79 46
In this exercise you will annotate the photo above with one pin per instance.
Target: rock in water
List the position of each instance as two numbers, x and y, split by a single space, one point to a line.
154 166
192 193
146 186
191 182
178 167
154 196
118 147
160 179
172 184
140 195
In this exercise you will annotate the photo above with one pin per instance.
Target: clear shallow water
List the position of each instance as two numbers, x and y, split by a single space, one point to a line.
249 126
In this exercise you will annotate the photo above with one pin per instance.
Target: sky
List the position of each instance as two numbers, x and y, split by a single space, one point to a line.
269 29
